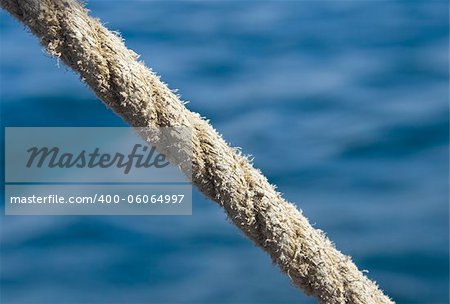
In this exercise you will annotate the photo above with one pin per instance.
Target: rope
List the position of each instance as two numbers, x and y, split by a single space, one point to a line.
137 94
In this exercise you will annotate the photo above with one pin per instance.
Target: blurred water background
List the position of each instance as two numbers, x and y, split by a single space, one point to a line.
344 106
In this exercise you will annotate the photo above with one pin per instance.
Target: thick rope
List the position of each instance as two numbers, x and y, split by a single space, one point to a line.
137 94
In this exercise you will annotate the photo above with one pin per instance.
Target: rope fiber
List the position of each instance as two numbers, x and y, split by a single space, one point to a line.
134 92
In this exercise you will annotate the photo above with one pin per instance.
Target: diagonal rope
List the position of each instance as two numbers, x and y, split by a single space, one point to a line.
137 94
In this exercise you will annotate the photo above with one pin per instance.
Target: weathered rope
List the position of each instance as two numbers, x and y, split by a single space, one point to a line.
134 92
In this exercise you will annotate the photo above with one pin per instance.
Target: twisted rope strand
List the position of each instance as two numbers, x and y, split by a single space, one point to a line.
137 94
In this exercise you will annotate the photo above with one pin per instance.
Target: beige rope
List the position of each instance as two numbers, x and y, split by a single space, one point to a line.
137 94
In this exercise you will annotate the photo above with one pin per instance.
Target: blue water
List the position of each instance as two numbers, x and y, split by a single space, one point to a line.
343 105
